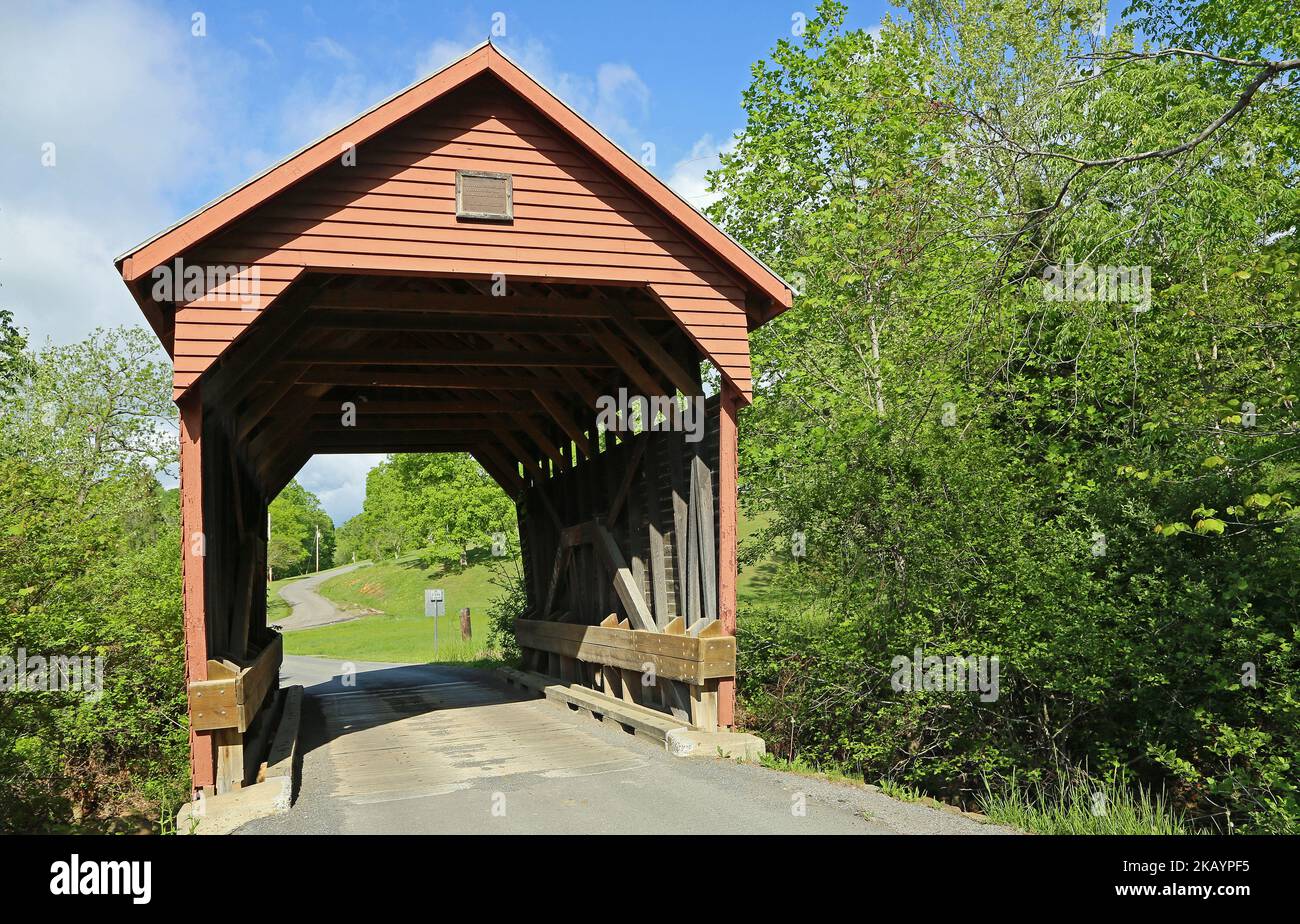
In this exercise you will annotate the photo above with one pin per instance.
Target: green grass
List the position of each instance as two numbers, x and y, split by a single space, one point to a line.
402 633
760 583
1082 805
802 767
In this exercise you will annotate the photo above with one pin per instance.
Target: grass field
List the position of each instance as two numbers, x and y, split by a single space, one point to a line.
403 633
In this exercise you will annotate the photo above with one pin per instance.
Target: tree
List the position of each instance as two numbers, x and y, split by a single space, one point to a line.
90 567
15 366
99 409
454 498
296 516
985 464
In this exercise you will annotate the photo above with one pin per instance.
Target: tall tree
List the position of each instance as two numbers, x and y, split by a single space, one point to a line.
986 462
296 519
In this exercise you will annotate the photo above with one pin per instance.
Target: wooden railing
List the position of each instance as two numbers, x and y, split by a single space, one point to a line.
227 703
633 662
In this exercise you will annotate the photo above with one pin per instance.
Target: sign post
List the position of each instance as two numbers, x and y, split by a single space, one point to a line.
434 606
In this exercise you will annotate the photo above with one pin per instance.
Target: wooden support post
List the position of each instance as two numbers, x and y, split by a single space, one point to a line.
633 690
230 759
727 475
466 632
193 547
704 706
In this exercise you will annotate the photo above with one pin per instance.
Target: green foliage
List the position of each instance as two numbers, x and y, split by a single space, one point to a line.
296 516
1100 493
89 566
421 499
14 362
507 606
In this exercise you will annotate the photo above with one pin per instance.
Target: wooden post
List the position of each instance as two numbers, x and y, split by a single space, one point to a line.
193 551
230 759
727 475
465 630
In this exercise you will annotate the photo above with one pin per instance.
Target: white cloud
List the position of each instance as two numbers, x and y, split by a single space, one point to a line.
616 100
689 177
622 100
112 86
325 47
313 109
262 45
441 53
339 482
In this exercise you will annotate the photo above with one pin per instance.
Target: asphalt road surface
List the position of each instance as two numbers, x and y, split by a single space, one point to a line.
310 609
433 748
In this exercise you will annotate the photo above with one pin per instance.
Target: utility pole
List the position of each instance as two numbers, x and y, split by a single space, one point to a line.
318 548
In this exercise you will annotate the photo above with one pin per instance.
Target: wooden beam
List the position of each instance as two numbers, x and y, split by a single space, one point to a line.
675 657
706 546
623 358
439 324
264 399
530 462
545 443
624 585
566 422
448 303
505 476
382 356
629 475
233 699
686 383
343 441
245 579
363 377
563 553
386 407
390 423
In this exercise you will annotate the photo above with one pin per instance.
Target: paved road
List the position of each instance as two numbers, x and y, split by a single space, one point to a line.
447 749
310 609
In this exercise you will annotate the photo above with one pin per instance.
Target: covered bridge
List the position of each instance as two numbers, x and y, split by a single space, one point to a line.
467 267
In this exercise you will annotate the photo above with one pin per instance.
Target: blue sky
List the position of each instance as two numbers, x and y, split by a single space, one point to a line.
149 121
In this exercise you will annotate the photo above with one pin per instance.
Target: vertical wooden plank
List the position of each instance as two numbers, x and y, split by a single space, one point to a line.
702 508
632 689
727 513
681 519
634 529
655 537
612 681
230 759
242 611
694 537
202 754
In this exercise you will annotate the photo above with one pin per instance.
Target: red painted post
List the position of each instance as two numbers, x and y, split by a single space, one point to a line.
728 447
203 768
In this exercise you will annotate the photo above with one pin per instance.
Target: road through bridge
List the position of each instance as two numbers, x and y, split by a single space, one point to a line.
442 749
